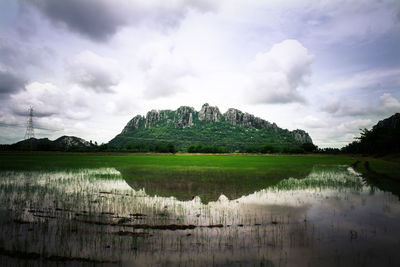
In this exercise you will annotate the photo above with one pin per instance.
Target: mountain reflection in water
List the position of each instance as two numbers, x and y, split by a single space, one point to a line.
210 185
331 216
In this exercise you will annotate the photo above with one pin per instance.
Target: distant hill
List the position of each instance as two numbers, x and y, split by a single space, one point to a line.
186 127
383 138
64 143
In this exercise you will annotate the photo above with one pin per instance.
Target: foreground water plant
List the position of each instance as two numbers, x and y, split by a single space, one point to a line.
95 216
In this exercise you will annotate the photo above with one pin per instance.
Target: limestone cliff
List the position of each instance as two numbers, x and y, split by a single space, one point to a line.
209 113
152 118
301 136
185 126
135 123
184 116
237 117
71 141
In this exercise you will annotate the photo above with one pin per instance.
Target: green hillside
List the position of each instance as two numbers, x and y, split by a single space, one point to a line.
185 127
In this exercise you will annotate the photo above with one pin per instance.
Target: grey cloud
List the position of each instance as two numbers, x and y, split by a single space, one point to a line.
9 54
40 110
368 19
17 60
94 19
95 72
95 79
26 24
17 55
366 80
331 107
19 111
10 83
346 109
398 15
101 19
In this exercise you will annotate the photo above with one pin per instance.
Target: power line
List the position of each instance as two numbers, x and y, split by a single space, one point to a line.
24 125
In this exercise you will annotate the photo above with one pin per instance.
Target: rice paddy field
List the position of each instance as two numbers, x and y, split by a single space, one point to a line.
66 209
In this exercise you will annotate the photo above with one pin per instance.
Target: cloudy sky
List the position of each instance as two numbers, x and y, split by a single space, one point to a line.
88 66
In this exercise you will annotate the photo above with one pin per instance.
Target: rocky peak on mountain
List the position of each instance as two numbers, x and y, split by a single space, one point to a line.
72 141
134 123
185 116
233 116
209 113
301 136
152 117
237 117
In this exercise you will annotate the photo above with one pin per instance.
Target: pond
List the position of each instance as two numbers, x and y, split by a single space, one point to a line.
332 217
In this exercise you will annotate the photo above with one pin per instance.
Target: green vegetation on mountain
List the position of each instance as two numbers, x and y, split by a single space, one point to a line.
207 131
63 143
383 138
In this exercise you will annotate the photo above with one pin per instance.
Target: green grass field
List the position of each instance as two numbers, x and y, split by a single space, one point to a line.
273 163
98 208
270 165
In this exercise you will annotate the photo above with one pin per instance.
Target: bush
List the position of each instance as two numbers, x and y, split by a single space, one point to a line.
143 147
309 147
207 149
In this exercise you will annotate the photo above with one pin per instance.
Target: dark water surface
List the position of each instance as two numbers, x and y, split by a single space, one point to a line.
331 217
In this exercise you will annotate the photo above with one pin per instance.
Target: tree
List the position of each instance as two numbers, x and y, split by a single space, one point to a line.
309 147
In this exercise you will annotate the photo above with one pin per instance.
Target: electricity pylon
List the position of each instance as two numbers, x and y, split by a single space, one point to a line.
29 128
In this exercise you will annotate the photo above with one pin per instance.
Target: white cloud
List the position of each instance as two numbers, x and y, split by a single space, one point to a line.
44 97
126 102
50 125
165 70
92 71
385 106
59 112
353 126
311 121
9 119
350 115
337 132
50 103
78 115
364 80
388 104
278 74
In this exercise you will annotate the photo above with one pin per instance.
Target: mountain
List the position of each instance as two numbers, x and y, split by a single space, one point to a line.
64 143
383 138
71 141
185 127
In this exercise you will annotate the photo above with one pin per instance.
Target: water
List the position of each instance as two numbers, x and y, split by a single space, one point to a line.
331 217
